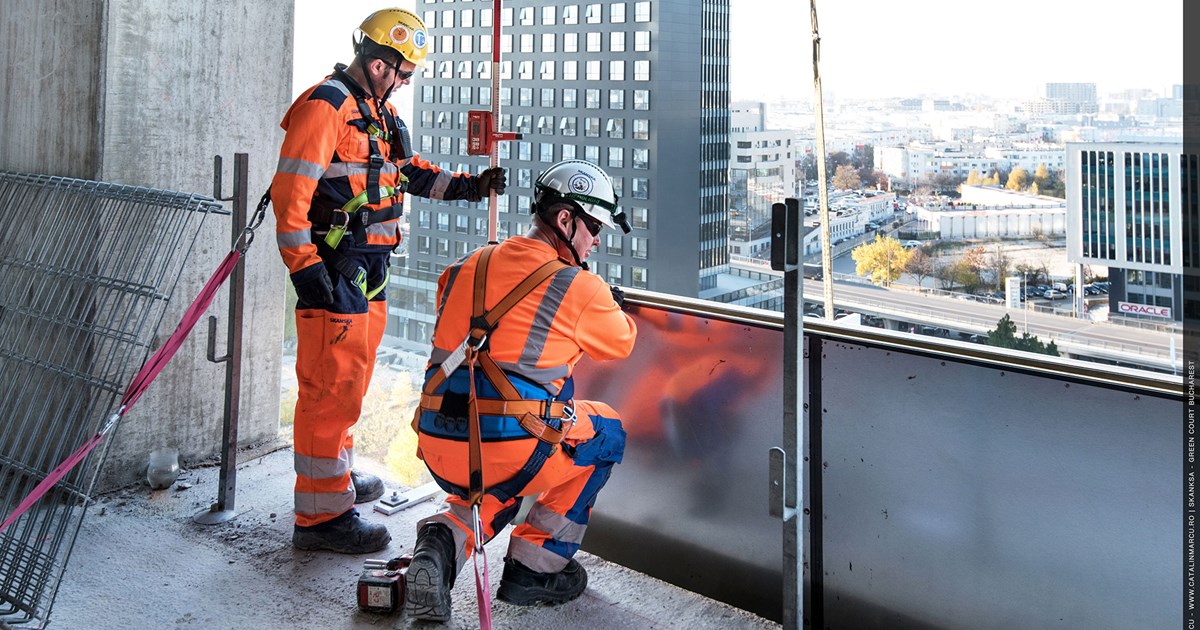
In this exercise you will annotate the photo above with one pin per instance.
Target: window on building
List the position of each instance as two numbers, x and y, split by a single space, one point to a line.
523 207
616 128
525 151
570 42
462 146
639 218
637 247
641 129
616 13
641 11
467 19
567 125
526 69
592 69
591 153
569 98
430 19
639 278
506 43
616 41
641 100
466 43
445 70
568 152
616 72
591 127
427 93
483 70
641 70
570 14
447 44
506 96
641 159
546 125
641 41
506 70
614 274
546 152
641 188
593 42
616 99
548 15
593 13
548 42
423 219
422 244
525 97
446 94
618 183
570 70
443 247
506 16
592 99
523 124
547 97
526 42
464 70
485 96
547 70
464 94
426 144
613 244
443 222
524 178
461 223
527 16
485 42
616 157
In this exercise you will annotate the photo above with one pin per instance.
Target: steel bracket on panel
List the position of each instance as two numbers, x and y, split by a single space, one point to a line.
777 501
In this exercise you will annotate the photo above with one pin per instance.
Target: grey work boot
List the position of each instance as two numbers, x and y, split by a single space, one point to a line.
523 586
366 487
347 533
431 574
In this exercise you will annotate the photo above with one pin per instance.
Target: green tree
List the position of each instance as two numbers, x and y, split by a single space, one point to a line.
1005 336
1018 179
883 259
846 178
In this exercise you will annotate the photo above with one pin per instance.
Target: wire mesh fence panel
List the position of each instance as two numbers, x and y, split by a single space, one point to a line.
88 269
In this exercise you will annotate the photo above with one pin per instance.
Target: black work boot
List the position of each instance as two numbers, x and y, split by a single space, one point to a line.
347 533
366 487
523 586
431 574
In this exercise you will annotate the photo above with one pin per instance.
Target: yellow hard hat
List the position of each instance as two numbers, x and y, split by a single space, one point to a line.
398 29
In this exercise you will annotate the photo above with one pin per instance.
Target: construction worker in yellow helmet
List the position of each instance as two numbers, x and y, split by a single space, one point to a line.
338 192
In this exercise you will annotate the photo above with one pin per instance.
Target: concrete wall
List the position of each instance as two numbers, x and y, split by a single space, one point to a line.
146 92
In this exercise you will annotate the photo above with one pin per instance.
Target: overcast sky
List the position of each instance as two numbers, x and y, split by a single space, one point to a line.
885 47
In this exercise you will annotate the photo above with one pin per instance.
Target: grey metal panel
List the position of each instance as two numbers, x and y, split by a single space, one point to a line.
963 496
701 402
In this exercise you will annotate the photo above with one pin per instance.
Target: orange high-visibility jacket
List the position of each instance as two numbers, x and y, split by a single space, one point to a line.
543 336
324 158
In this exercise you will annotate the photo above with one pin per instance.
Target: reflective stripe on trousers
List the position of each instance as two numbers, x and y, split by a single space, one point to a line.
335 358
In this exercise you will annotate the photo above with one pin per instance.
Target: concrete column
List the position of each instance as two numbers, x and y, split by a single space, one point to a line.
145 93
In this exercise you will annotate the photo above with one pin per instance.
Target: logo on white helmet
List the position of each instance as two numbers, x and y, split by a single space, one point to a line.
581 183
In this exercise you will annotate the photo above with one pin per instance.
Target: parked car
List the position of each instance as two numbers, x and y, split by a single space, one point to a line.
1054 294
913 243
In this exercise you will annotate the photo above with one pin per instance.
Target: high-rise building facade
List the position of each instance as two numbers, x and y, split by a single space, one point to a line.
762 170
1125 208
640 88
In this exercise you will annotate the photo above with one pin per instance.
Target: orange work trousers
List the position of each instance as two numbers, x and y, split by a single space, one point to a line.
335 358
566 487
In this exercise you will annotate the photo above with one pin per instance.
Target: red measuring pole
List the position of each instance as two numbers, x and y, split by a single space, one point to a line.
494 157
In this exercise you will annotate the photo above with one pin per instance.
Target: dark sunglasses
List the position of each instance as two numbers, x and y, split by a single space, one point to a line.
402 74
593 226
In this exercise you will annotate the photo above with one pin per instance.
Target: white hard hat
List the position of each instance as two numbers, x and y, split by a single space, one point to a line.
583 185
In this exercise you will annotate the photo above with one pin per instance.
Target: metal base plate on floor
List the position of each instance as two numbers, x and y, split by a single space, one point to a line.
213 516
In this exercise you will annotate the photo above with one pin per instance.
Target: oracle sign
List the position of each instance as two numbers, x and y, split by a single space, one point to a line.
1144 309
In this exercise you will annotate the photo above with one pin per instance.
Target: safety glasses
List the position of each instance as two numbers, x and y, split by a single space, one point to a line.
593 226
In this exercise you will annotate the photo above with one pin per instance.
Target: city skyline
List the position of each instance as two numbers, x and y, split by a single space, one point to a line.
957 55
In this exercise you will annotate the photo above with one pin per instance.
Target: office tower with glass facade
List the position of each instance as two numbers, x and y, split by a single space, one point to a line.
640 88
1125 208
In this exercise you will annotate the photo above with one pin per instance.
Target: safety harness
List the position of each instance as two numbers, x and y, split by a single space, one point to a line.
350 217
543 419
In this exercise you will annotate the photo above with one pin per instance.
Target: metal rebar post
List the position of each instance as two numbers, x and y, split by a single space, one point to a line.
223 509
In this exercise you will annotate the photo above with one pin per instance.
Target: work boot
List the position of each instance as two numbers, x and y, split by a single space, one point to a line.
431 574
347 533
523 586
366 487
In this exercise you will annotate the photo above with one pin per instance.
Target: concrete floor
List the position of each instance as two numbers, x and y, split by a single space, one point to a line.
141 562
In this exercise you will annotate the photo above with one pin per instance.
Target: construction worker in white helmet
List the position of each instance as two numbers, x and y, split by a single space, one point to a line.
529 310
338 192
